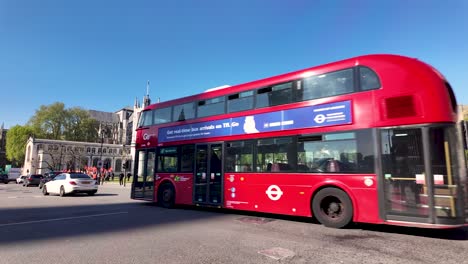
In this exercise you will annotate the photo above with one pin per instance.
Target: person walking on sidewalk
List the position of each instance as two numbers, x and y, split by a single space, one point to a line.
121 178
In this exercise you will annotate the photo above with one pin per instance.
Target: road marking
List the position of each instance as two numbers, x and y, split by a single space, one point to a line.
60 219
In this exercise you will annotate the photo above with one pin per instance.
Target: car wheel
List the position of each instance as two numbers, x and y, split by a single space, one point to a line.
332 207
166 195
62 191
44 191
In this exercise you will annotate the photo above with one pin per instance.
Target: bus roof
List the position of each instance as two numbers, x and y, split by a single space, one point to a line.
368 60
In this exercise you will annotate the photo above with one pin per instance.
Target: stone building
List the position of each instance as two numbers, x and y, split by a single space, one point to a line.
116 145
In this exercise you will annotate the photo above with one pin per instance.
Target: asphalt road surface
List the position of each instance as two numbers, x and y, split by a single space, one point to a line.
111 228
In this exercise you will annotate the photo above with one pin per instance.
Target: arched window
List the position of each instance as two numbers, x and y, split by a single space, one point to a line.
28 155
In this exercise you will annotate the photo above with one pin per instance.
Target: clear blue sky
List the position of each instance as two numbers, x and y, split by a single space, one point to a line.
99 54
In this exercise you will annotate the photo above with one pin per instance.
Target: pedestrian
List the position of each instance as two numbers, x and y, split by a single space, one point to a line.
121 178
128 176
112 173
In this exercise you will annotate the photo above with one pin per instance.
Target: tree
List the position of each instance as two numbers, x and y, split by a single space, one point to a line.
49 121
56 122
79 126
16 140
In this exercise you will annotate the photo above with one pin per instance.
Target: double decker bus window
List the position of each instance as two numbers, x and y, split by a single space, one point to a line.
240 101
146 118
167 159
335 153
211 107
239 156
368 79
186 158
274 95
162 115
323 85
276 154
184 112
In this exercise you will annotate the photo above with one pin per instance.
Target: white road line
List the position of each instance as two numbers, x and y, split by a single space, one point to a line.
60 219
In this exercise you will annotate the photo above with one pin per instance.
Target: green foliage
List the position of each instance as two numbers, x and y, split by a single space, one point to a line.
78 126
56 122
16 140
49 121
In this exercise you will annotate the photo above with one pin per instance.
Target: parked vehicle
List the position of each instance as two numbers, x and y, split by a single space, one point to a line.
48 176
34 179
20 179
67 183
13 174
4 178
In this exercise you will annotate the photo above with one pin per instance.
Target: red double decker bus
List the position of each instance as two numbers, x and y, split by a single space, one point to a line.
371 139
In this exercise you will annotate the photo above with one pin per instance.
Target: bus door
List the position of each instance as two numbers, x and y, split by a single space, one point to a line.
403 165
143 183
208 174
420 169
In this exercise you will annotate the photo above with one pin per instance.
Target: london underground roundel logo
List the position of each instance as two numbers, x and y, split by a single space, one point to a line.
274 192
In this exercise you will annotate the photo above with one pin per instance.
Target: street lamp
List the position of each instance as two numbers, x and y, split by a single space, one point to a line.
100 159
124 164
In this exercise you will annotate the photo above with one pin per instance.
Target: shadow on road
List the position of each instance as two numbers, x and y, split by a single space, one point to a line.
44 223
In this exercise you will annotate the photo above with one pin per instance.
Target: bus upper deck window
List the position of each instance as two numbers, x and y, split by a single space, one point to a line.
369 80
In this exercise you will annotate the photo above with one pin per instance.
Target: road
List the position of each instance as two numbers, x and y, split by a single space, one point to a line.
111 228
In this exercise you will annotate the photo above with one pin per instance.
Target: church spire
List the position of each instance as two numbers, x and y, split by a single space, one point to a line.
146 99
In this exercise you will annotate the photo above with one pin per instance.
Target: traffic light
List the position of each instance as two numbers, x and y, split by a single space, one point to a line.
124 166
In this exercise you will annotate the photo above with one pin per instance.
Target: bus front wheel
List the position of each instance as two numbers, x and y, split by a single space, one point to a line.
332 207
166 195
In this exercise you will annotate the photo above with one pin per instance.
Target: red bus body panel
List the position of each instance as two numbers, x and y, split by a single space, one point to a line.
400 77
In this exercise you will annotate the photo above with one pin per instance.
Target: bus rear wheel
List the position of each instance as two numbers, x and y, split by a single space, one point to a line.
166 195
332 207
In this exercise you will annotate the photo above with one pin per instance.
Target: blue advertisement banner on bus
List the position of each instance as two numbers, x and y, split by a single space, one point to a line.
305 117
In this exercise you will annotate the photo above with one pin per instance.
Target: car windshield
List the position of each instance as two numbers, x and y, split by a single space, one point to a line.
36 176
79 176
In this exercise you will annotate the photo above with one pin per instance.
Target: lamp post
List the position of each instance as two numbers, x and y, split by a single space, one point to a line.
124 164
100 160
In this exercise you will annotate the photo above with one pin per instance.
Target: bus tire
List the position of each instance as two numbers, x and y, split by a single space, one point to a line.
166 195
332 207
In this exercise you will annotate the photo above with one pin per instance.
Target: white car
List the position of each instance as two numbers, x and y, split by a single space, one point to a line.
21 179
67 183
